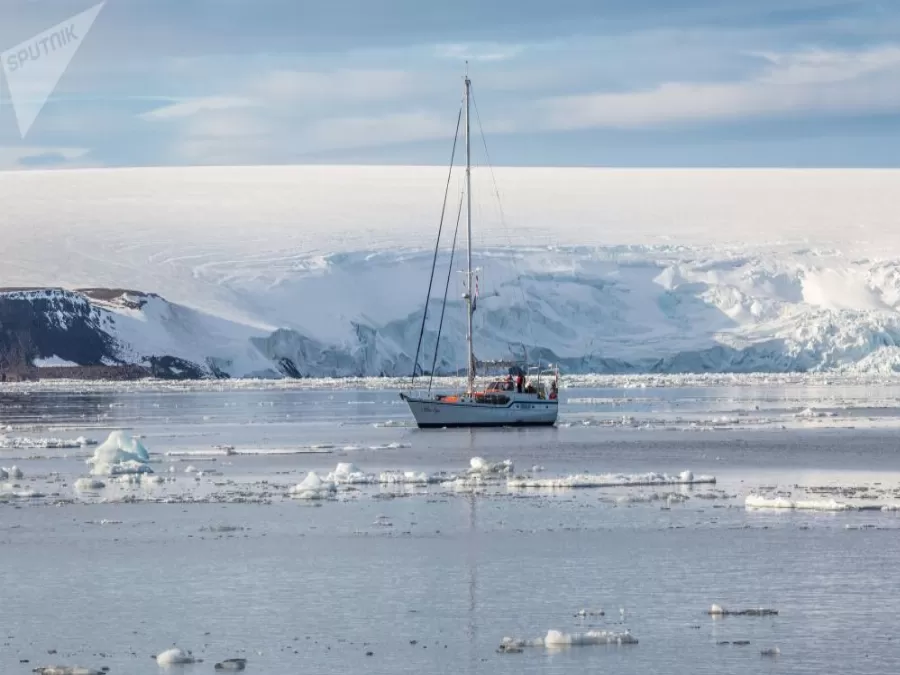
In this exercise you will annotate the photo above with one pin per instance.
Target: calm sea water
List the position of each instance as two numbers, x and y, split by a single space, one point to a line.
431 579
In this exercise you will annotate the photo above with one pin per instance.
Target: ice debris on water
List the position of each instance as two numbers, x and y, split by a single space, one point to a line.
120 454
346 473
66 670
88 484
175 656
719 610
555 638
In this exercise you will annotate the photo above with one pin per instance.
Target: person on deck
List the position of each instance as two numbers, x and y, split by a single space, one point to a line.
509 383
553 391
519 382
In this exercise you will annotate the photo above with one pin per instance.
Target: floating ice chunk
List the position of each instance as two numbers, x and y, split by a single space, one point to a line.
556 639
175 656
346 473
811 413
313 487
120 454
88 484
13 473
771 651
231 664
66 670
478 465
610 480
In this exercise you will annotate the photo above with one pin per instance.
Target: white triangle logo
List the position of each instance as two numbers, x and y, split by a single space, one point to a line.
34 67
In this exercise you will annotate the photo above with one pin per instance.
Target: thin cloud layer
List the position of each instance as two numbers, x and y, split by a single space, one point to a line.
649 81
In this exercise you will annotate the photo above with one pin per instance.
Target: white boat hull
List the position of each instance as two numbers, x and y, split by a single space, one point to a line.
521 410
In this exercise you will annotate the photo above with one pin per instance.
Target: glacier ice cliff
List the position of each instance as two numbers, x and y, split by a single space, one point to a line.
625 309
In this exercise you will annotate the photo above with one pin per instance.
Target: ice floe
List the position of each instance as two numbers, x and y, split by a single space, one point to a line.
66 670
408 478
120 454
755 501
610 480
19 443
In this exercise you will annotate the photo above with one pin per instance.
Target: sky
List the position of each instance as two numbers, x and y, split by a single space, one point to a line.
613 83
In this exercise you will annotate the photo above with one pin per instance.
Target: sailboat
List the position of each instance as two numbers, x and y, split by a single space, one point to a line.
502 402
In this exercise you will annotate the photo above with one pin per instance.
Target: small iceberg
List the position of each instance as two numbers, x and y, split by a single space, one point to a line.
119 454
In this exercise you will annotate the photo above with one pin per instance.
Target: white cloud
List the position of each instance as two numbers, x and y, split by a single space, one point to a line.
337 86
824 82
372 131
481 51
194 106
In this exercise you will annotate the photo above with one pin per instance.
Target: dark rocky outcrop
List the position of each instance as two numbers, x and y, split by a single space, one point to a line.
53 322
78 327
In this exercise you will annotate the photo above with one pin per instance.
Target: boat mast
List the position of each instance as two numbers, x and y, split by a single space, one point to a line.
470 387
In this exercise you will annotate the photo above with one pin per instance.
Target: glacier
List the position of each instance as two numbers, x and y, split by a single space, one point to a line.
322 271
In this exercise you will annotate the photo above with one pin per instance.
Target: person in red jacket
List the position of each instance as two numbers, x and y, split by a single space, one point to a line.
520 381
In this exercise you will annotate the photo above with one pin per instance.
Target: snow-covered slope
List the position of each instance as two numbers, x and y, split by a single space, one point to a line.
323 270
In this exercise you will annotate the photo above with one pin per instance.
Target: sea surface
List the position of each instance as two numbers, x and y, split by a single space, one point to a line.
221 559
